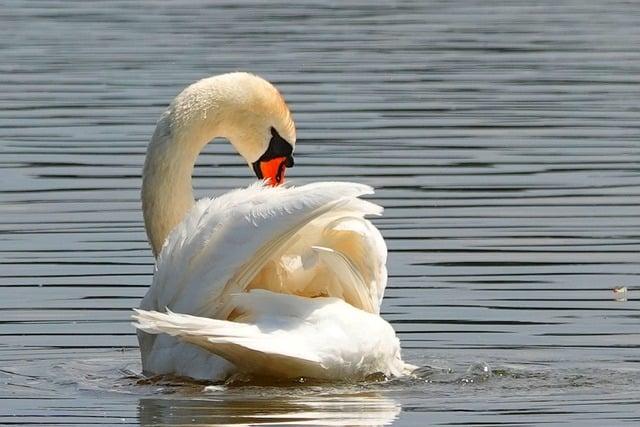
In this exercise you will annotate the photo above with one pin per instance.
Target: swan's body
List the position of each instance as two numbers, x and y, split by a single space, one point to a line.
277 281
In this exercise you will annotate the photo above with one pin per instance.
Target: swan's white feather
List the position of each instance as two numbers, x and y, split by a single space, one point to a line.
289 336
263 237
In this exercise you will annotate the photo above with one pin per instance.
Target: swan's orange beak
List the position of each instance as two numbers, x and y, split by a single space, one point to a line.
273 163
273 170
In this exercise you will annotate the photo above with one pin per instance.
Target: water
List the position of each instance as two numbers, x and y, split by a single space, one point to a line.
503 139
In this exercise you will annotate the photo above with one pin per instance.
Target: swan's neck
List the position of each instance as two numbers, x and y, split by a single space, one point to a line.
167 192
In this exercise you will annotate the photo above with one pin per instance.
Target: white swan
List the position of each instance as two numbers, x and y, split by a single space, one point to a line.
270 280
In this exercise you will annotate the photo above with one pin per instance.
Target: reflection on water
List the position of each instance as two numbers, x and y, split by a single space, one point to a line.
503 141
317 409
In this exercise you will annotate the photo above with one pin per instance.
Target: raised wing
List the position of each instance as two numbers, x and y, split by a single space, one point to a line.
310 240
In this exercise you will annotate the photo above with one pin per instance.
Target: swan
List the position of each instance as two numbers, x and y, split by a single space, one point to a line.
270 280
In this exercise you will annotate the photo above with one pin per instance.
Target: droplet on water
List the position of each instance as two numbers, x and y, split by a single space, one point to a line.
477 372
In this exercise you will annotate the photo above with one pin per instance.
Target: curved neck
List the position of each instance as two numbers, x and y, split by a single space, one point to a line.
167 193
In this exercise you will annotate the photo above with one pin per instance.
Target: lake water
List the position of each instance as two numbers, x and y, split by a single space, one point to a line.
504 142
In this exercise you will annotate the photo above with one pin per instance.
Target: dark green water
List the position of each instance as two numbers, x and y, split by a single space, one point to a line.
503 139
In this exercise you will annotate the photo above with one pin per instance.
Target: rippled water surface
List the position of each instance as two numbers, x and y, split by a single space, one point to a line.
502 138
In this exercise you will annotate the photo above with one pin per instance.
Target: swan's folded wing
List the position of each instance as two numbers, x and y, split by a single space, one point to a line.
224 242
364 252
246 346
352 285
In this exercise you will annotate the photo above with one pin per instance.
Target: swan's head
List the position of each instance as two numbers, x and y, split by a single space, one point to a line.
248 111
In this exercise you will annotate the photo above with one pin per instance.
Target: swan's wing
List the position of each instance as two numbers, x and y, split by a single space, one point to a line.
337 255
246 346
357 246
357 292
224 243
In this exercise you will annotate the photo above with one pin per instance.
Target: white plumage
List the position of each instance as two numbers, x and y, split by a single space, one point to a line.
288 336
279 281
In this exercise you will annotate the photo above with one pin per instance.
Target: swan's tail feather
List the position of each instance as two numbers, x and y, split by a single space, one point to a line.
251 350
